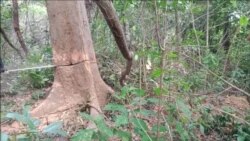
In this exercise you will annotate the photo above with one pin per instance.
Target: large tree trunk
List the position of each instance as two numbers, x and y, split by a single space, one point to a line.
17 27
77 79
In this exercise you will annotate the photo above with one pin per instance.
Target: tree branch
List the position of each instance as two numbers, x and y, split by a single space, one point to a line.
8 41
17 27
112 20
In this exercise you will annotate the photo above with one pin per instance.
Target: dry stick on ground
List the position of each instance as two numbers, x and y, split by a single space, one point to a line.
225 112
169 129
211 72
112 20
162 67
9 42
143 60
17 27
177 29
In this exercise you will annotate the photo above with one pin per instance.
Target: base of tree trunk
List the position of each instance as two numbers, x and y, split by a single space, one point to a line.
74 88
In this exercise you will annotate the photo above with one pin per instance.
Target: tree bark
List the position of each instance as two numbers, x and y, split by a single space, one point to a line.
112 20
226 36
90 7
226 43
9 42
77 79
17 27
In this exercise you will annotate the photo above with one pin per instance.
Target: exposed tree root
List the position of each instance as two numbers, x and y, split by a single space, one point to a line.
72 92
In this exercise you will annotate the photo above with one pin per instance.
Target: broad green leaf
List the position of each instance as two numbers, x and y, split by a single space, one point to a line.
115 107
157 73
103 128
124 91
146 112
87 117
172 55
202 129
162 128
125 136
182 132
25 118
4 136
184 108
139 123
153 100
158 90
16 116
234 3
163 4
241 138
139 92
139 101
121 120
23 137
244 21
54 129
144 137
83 135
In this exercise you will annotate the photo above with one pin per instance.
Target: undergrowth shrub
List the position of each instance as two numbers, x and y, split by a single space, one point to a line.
37 78
32 132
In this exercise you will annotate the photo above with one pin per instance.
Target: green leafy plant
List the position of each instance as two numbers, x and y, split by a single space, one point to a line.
37 78
53 129
38 95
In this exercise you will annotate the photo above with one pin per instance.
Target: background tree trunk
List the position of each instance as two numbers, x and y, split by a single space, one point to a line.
9 42
17 27
77 79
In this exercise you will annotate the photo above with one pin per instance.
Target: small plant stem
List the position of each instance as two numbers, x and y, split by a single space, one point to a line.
162 68
169 129
196 36
160 95
232 115
207 39
219 77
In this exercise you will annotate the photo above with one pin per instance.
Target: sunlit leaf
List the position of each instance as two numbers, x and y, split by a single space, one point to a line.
244 21
172 55
136 57
157 73
54 129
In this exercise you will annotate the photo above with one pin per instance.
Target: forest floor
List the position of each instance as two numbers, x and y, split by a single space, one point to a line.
12 101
